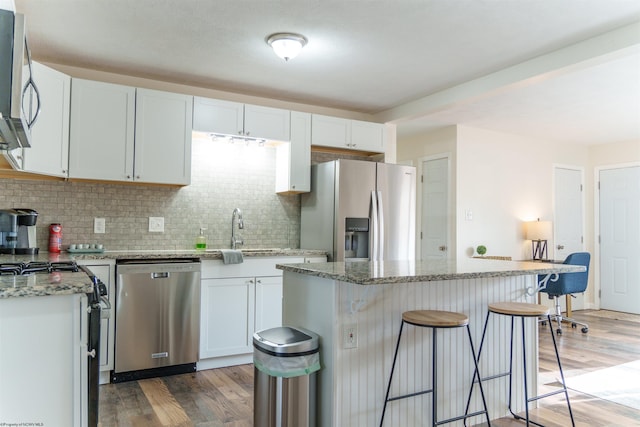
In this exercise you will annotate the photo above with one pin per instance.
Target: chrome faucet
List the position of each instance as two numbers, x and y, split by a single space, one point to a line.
235 241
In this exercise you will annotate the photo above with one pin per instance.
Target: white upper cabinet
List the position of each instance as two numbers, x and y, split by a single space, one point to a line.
102 131
329 131
367 136
121 133
217 116
49 151
293 159
234 118
163 137
337 132
267 122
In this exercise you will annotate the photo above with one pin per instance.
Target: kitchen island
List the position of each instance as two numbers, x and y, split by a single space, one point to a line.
356 309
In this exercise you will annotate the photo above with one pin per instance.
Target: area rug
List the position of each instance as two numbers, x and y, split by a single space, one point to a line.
619 384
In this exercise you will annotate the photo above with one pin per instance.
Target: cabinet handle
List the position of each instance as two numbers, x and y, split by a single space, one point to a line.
92 353
258 281
128 176
560 247
442 248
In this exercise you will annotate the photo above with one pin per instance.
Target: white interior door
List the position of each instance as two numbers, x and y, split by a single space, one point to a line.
620 239
435 209
568 219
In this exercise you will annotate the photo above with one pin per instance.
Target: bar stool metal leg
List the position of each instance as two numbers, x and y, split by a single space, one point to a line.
509 374
434 377
393 367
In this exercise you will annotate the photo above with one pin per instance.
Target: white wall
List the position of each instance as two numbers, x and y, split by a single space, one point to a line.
502 179
506 180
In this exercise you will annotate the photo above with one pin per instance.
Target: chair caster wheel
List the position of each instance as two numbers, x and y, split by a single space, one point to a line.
559 331
585 330
573 325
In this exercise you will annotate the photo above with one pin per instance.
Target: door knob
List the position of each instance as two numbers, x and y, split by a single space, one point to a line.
560 247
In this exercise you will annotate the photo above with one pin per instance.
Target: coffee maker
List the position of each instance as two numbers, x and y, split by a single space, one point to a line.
18 231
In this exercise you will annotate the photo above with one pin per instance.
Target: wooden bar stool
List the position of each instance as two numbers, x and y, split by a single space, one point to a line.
524 310
436 320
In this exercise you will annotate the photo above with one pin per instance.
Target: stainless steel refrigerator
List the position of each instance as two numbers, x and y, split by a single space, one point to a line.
359 210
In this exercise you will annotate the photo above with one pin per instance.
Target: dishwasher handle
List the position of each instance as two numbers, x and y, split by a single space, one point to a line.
160 275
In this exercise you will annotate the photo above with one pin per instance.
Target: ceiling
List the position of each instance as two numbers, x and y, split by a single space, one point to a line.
564 70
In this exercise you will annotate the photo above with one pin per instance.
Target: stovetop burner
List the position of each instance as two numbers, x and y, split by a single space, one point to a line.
35 267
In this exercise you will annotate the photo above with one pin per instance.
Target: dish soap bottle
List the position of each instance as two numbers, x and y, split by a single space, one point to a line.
201 240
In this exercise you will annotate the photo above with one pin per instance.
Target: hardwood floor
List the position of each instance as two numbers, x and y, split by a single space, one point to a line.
224 397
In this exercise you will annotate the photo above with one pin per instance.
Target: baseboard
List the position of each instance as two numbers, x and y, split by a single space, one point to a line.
221 362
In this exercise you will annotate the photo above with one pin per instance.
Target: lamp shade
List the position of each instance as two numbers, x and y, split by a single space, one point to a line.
538 230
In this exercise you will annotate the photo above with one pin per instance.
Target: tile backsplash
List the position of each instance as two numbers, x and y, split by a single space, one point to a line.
224 176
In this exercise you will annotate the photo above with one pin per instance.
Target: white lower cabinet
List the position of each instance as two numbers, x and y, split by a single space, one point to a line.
236 301
268 302
43 360
227 316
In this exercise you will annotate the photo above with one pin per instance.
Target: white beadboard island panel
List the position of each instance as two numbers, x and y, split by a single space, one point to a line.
353 381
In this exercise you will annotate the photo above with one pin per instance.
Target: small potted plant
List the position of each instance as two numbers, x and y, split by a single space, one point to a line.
481 249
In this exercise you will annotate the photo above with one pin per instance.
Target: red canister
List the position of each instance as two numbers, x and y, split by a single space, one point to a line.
55 238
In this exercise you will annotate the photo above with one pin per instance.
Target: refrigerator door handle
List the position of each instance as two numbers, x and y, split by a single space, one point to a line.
374 226
380 229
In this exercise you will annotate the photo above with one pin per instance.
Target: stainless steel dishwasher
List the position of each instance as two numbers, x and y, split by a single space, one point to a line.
157 317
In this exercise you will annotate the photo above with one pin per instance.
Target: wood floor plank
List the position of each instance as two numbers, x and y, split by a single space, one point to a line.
165 406
224 397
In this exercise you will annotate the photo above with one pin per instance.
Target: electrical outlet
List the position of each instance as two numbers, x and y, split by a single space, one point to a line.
99 225
156 224
350 335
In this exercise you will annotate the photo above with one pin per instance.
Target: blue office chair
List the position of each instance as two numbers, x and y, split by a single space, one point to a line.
569 284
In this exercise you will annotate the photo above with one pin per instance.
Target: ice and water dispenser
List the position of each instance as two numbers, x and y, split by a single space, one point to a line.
356 239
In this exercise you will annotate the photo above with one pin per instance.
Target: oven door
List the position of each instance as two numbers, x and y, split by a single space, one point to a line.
93 348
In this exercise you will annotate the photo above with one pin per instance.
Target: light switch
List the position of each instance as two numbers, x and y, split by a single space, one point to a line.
156 224
468 215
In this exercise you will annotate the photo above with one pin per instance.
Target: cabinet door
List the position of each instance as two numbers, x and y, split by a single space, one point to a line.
293 159
163 137
330 131
217 116
367 136
101 131
227 317
49 151
43 361
267 123
268 302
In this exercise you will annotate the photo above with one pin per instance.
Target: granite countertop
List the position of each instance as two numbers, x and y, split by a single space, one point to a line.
35 285
65 283
385 272
191 253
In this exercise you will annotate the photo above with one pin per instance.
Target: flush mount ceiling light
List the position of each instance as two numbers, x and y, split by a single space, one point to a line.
287 45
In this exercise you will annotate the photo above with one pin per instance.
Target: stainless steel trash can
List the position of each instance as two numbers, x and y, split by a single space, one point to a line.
285 361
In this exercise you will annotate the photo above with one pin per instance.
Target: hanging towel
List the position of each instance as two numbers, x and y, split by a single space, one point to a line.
231 256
